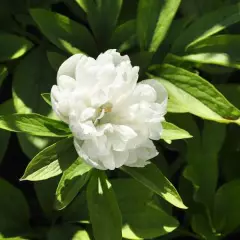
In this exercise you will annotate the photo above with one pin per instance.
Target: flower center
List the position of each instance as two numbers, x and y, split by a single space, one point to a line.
102 111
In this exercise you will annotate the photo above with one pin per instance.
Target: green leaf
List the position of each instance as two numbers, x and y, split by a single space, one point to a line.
226 208
67 231
34 124
65 33
136 205
159 15
207 25
103 208
14 218
51 161
47 98
151 177
202 227
102 16
72 181
45 191
124 37
205 178
221 50
13 46
172 132
5 108
3 73
191 93
55 59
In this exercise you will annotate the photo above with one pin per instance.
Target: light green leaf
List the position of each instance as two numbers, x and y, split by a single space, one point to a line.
207 25
72 180
51 161
102 16
55 59
124 37
103 208
191 93
3 73
65 33
151 177
226 208
172 132
47 98
221 50
34 124
136 205
13 46
14 218
159 15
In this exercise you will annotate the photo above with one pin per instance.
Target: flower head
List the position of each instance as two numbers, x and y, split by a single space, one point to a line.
112 117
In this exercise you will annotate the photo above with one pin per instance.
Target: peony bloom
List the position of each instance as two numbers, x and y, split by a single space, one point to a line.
112 117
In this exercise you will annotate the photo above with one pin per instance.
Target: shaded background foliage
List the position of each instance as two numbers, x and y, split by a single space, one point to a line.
205 169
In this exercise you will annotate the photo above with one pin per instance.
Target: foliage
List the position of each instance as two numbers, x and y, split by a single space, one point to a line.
191 189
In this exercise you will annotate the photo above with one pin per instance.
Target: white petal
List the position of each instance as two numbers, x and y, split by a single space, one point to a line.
144 92
68 67
85 157
87 114
155 130
66 83
120 158
162 95
83 131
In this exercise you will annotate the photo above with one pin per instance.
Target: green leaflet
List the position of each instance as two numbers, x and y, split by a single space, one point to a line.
206 26
221 50
102 16
103 208
159 15
151 177
65 33
34 124
14 218
51 161
13 46
172 132
189 92
72 180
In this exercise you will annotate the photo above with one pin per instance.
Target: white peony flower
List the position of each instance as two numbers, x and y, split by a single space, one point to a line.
112 117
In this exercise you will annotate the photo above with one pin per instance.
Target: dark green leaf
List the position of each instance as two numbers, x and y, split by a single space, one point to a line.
103 208
55 59
159 15
51 161
221 50
64 32
102 16
135 202
14 218
34 124
13 46
72 180
226 209
124 37
3 73
151 177
206 26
